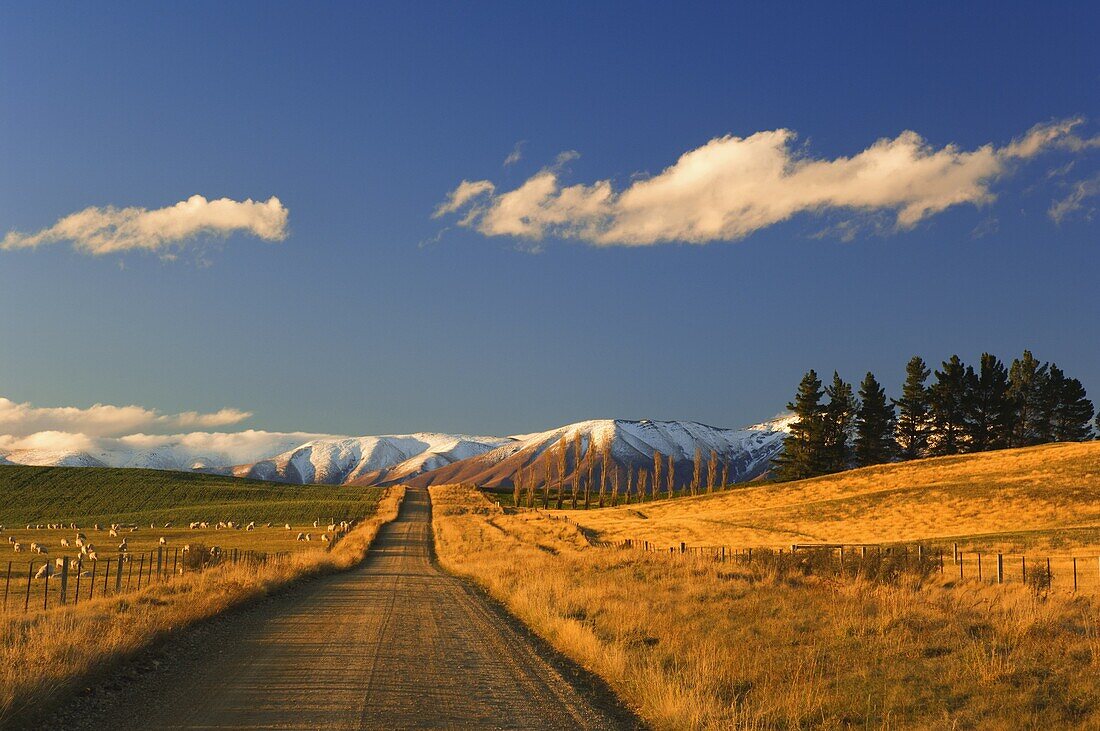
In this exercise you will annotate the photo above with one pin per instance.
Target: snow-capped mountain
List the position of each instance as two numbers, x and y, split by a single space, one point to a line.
745 453
426 458
368 460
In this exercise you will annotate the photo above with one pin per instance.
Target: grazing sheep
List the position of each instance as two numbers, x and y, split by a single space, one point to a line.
331 527
79 543
64 542
122 546
309 537
11 539
162 541
301 537
187 548
133 529
193 524
113 533
324 537
266 525
168 524
204 524
45 571
215 551
39 548
315 524
81 536
287 526
96 527
250 526
18 547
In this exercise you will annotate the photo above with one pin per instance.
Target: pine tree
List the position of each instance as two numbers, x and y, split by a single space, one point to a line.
1029 394
839 417
802 447
911 430
874 442
1071 411
989 410
949 397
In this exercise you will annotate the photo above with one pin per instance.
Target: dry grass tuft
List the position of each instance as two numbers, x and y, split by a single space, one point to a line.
43 653
694 644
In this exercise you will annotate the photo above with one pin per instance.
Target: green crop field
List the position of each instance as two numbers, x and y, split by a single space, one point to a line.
87 495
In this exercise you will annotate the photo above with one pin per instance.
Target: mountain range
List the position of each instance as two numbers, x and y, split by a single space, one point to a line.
433 458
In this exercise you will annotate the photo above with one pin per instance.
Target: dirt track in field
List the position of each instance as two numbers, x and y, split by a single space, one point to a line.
394 643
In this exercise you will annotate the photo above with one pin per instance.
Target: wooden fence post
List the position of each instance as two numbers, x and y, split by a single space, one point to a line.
30 573
1075 574
1023 569
118 575
979 565
682 547
91 584
1000 568
46 589
959 560
64 579
76 589
160 561
955 552
175 558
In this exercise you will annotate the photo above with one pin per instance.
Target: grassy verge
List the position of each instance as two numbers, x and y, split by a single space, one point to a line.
698 644
42 654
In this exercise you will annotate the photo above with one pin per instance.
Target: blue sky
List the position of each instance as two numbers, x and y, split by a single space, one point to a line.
371 316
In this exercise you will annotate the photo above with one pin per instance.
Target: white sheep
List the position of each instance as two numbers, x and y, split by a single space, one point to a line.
11 539
64 542
309 537
315 524
193 524
287 526
79 543
251 526
96 527
162 541
45 571
168 524
92 556
18 547
122 546
113 533
324 537
204 524
301 537
81 536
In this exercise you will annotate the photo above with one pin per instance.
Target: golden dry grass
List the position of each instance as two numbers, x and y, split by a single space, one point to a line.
694 644
43 652
1040 500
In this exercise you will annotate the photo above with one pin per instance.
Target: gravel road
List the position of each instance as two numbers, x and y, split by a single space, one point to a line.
395 643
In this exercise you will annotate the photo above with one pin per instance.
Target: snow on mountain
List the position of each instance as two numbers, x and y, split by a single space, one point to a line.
746 453
368 460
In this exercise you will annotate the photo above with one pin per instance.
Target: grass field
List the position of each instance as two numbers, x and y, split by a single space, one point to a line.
89 495
44 654
698 644
1039 500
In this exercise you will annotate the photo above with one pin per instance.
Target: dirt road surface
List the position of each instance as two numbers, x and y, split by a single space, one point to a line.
395 643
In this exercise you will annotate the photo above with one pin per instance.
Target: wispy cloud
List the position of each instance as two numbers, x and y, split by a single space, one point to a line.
106 230
516 154
1082 191
19 420
733 186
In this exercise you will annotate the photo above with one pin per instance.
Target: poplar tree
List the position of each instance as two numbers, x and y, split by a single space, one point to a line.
604 475
696 471
949 396
989 410
658 468
562 457
725 475
874 441
671 477
643 479
912 429
802 447
576 477
712 470
590 465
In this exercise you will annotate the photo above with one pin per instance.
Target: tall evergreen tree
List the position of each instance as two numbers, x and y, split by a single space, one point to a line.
949 396
802 447
838 423
1030 400
989 410
874 442
912 427
1071 411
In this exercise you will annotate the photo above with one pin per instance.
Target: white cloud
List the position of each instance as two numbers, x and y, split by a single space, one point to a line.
466 192
733 186
18 420
108 229
515 155
1075 201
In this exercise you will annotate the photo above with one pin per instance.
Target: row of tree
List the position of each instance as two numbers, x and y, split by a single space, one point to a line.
963 410
582 474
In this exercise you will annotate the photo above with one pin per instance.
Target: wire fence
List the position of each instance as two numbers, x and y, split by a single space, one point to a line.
45 583
1043 573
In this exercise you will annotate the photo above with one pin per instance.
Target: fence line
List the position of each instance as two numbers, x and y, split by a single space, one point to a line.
68 572
1072 572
